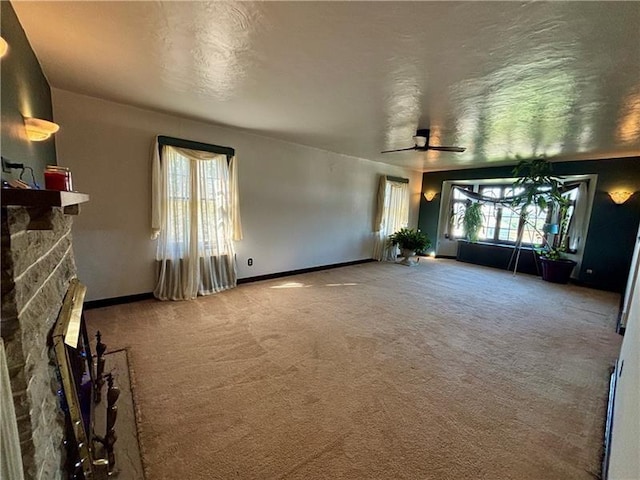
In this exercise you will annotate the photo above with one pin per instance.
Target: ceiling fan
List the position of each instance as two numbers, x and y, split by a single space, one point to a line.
421 140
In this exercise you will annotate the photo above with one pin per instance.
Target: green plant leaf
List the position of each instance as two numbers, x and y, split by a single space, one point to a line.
410 239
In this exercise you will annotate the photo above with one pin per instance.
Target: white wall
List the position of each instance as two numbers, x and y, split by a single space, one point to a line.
301 207
624 463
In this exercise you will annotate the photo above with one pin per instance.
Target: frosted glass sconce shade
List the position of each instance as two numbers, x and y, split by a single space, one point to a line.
39 130
3 47
430 195
619 197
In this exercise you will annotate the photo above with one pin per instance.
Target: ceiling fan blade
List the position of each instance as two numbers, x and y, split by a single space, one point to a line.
400 150
446 149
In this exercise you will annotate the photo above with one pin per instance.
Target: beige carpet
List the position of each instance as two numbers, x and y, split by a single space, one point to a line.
377 371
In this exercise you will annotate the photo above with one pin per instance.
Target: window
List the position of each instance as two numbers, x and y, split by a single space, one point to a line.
490 214
392 214
195 218
458 207
197 190
501 222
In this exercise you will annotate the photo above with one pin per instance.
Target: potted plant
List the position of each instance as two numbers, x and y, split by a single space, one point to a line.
472 220
541 189
555 266
410 242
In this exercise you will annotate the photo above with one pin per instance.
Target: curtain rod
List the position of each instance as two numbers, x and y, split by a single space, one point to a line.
205 147
503 200
397 179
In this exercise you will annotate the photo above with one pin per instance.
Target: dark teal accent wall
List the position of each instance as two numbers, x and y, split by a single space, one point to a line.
612 228
25 92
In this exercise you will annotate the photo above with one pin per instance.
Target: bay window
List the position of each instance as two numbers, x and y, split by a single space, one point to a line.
501 221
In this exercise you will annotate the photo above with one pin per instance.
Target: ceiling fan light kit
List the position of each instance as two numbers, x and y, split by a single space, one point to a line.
421 140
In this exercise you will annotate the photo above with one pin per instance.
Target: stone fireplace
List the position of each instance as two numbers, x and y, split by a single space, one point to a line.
37 267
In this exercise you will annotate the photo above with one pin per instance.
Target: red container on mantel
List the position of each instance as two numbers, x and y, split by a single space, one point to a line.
58 178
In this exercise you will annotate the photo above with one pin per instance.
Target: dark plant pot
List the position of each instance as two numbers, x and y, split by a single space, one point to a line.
557 271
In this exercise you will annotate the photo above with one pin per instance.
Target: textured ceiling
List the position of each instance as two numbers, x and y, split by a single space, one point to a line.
503 79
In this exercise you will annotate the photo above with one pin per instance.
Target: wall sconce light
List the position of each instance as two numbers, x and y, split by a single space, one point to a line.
430 195
619 197
39 130
4 46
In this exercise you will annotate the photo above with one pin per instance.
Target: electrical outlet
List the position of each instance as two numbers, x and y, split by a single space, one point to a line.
7 165
250 262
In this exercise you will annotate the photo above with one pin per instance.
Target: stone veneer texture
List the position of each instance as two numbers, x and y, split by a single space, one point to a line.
37 266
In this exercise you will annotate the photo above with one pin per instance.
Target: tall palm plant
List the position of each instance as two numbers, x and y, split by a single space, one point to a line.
540 188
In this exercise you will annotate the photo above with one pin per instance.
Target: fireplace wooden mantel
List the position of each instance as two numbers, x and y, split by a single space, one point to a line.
40 202
41 198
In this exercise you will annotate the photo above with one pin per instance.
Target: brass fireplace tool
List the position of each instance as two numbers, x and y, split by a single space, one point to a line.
113 393
100 349
110 436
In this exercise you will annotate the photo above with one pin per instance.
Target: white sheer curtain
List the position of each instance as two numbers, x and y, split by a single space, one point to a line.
392 214
447 209
195 218
578 223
